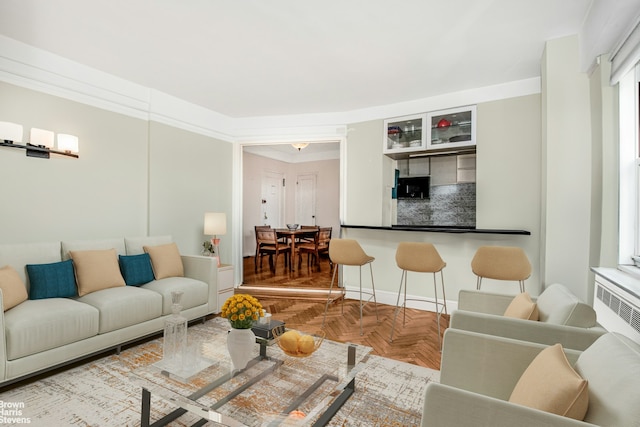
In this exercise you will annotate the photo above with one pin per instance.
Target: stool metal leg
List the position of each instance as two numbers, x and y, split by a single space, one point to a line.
403 280
326 307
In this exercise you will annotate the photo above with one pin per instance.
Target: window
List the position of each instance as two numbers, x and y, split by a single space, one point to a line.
629 209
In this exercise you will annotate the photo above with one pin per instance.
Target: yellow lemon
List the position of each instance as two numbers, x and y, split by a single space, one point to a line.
306 344
289 341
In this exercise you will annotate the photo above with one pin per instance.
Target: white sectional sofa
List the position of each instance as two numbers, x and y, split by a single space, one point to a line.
41 334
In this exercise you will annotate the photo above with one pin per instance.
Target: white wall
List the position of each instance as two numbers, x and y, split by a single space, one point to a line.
101 194
327 194
567 156
190 174
133 177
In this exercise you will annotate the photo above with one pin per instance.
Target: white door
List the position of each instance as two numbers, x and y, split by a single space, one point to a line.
272 212
306 199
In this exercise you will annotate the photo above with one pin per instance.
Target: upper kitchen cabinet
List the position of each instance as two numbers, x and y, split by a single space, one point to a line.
454 128
404 135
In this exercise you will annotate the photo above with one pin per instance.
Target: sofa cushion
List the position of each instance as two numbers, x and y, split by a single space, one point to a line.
96 270
522 307
136 269
196 293
123 306
13 288
612 366
135 245
92 245
558 305
19 255
165 260
550 384
53 280
39 325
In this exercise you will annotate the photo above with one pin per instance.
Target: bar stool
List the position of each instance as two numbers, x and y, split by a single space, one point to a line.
349 252
420 258
501 263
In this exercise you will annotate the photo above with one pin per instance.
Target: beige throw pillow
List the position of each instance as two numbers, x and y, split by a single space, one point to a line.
522 307
96 270
13 289
165 260
551 384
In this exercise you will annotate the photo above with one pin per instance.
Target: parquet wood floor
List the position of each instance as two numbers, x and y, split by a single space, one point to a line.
416 342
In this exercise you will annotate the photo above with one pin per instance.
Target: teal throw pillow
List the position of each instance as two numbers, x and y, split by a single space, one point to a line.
55 280
136 269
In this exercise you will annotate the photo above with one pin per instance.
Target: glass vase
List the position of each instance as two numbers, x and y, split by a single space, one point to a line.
175 334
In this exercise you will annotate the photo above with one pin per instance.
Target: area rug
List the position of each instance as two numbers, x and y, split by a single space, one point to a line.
102 393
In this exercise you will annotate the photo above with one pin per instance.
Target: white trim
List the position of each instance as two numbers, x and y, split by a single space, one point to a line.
37 69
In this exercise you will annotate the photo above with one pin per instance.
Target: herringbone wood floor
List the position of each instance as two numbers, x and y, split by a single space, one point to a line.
416 342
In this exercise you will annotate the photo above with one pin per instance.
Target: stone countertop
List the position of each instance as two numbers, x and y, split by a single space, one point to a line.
439 229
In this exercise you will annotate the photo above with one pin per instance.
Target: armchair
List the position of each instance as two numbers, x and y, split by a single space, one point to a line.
475 385
564 318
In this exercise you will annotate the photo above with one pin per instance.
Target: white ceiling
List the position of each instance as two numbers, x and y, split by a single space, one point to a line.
254 58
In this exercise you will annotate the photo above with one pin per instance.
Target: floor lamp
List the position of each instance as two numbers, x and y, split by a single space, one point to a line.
215 224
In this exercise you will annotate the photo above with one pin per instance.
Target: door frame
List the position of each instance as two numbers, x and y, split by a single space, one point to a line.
238 185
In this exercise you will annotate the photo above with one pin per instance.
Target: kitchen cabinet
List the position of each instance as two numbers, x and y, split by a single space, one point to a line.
466 168
404 135
453 128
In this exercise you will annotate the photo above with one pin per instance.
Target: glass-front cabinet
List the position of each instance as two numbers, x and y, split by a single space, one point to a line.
453 128
405 134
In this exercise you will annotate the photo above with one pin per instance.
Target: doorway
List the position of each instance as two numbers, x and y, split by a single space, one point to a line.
309 194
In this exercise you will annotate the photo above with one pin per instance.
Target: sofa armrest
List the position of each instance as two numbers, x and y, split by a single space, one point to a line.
527 330
446 406
205 269
483 302
3 341
476 362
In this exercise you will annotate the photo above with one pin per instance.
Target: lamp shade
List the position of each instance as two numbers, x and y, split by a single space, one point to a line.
42 137
67 143
10 132
215 223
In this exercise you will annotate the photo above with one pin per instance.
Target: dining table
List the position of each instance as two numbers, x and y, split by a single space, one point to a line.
292 235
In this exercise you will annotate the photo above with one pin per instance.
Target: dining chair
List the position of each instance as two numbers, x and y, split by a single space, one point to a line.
348 252
267 243
419 257
309 246
501 263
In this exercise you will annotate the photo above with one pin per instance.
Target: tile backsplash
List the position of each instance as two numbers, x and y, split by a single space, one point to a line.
448 205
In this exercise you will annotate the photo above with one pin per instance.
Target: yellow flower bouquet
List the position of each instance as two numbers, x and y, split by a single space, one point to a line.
242 310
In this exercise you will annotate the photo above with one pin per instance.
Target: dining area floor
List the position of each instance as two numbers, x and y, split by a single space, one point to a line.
312 282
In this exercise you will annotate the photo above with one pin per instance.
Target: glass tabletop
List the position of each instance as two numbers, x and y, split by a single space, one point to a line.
274 389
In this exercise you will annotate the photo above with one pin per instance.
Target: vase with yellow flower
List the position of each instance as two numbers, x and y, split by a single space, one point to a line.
242 311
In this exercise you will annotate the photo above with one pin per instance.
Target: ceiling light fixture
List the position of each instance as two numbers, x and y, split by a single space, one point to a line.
300 145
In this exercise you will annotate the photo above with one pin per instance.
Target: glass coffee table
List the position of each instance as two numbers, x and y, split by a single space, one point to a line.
274 389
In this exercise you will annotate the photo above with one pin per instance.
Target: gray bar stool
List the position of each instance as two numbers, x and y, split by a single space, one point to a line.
420 258
501 263
349 252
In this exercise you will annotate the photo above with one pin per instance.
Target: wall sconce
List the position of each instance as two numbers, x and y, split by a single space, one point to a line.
300 145
41 141
215 223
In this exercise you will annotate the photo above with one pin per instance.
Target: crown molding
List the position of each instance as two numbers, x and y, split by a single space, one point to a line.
26 66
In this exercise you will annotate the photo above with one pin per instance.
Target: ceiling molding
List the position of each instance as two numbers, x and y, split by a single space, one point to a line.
26 66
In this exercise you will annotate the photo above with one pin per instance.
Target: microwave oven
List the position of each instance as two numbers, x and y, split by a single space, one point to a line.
415 187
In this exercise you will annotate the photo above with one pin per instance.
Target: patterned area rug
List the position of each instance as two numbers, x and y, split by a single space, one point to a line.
101 393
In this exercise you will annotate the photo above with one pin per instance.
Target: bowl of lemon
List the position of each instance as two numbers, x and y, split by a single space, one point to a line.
298 344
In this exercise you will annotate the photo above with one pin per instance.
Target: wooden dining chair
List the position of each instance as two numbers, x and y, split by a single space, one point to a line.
267 243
